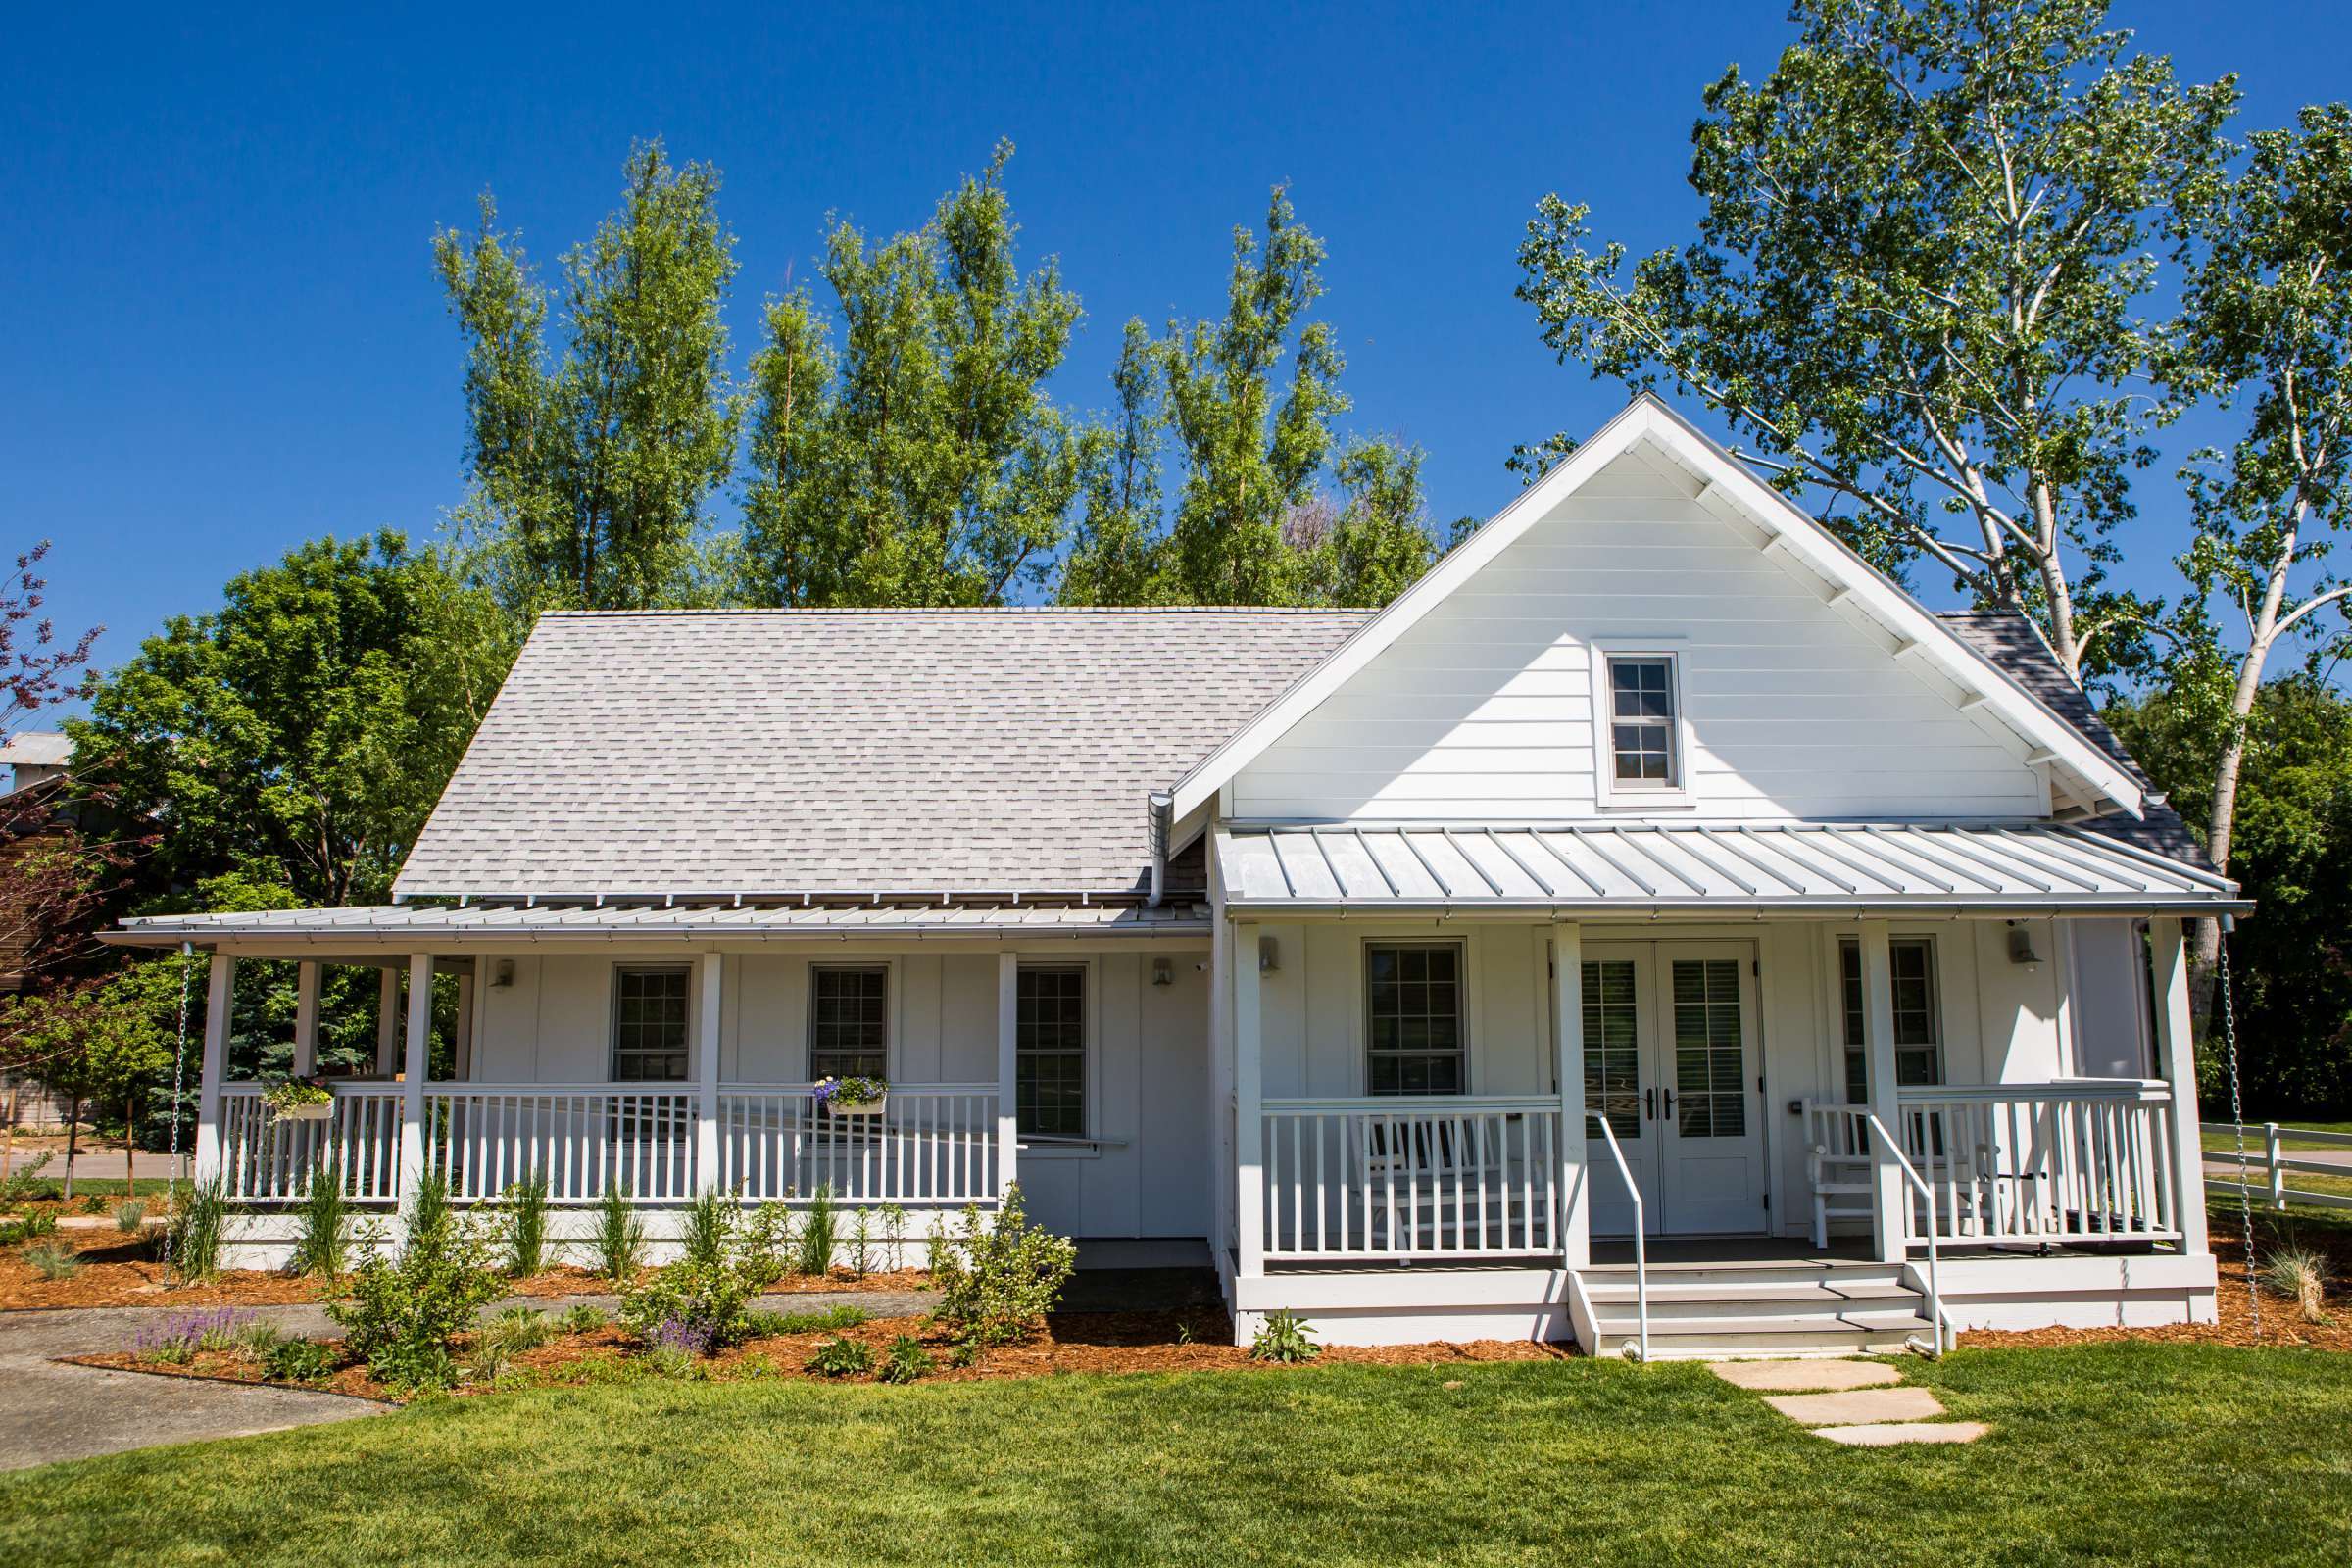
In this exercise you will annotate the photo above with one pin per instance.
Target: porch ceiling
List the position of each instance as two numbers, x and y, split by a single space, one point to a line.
400 926
1708 868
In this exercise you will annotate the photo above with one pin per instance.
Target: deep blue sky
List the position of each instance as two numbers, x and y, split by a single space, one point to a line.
223 334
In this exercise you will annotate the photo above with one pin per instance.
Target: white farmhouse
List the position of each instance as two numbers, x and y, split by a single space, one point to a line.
1653 927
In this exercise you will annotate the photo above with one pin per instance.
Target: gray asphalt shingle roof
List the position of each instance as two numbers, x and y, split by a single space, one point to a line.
920 750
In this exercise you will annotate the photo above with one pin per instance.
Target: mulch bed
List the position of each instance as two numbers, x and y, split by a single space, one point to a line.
118 1270
1069 1342
2281 1319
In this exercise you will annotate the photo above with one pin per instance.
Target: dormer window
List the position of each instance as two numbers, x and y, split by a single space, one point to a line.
1644 753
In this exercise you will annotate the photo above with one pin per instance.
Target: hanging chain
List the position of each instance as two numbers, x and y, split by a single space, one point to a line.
179 1080
2238 1120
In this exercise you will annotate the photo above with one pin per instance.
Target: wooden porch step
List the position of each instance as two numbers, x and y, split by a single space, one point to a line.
1770 1309
1724 1299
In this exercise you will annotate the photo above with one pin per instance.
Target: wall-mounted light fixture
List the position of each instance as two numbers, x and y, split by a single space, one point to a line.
503 975
2021 944
1269 955
1164 971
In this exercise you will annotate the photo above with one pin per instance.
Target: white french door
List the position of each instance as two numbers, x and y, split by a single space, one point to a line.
1671 1057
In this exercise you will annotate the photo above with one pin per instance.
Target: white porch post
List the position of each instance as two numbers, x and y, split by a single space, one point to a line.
1568 1031
218 999
1249 1100
2176 1052
417 1068
1008 1069
306 1017
705 1072
1889 1197
387 1020
464 1042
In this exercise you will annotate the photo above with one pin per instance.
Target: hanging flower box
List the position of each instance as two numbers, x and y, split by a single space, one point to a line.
851 1097
299 1099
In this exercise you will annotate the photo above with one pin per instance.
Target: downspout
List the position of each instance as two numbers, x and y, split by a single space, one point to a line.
1163 805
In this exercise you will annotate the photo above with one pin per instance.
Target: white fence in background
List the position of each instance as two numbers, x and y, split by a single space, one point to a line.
2042 1163
1439 1177
2268 1163
933 1144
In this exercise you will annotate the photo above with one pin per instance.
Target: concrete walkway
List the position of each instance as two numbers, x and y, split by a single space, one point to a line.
50 1411
1863 1404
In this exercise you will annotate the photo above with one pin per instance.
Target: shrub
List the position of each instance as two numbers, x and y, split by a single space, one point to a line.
709 1235
839 1357
861 1244
298 1361
521 1328
819 1230
2299 1275
199 1228
620 1241
54 1260
767 1244
130 1216
402 1315
32 1227
1284 1337
690 1305
93 1203
996 1281
323 1244
906 1360
526 1226
25 1183
580 1318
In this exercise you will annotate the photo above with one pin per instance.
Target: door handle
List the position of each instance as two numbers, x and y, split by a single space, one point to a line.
1649 1104
1666 1102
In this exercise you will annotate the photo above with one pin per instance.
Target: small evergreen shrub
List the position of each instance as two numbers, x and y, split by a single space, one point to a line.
839 1357
404 1315
526 1226
620 1241
996 1281
820 1230
906 1360
323 1217
25 1183
1285 1337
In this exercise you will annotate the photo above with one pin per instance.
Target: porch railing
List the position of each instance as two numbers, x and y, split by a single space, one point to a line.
934 1144
1397 1179
2086 1161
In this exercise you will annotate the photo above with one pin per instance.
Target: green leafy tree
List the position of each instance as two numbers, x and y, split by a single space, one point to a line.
1919 285
592 472
301 733
2291 960
922 461
1117 559
2266 313
95 1042
1252 451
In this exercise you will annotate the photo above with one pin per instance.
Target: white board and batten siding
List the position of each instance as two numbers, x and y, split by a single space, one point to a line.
1483 709
1147 1064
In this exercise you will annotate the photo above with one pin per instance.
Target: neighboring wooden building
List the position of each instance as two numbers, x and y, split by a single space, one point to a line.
1650 868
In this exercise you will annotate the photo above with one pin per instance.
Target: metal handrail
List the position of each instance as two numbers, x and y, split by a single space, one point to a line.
1640 1247
1934 1273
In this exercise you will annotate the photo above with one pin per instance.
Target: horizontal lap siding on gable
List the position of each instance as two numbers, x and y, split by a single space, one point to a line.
1483 709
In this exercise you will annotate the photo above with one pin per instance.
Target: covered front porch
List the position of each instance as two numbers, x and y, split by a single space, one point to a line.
1483 1118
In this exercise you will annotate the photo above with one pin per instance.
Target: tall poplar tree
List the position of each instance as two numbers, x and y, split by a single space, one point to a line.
592 471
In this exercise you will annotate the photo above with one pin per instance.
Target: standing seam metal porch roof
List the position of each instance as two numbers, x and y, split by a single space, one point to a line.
1702 868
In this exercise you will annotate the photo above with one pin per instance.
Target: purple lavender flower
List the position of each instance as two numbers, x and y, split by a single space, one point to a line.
694 1336
180 1336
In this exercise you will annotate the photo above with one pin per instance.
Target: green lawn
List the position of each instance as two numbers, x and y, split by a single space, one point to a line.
2126 1452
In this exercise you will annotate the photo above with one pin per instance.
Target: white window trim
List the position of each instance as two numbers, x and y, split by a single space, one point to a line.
1091 1114
1363 1006
891 1031
1610 795
694 1005
1938 988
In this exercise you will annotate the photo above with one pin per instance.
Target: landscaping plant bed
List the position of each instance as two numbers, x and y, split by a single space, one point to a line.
1070 1342
569 1281
2283 1323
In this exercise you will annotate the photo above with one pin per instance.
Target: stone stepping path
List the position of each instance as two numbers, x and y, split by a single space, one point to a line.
1862 1404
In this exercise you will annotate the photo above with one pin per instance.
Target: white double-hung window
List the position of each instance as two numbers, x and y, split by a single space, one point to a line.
1640 724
